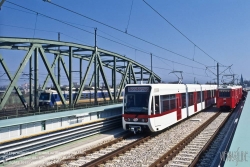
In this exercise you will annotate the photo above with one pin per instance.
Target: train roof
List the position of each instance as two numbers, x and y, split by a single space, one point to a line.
180 87
230 87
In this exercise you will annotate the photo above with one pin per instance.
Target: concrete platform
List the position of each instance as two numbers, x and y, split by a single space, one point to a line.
42 117
46 157
239 152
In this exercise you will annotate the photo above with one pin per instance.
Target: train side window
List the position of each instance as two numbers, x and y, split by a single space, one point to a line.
152 106
198 97
183 100
203 95
190 98
209 94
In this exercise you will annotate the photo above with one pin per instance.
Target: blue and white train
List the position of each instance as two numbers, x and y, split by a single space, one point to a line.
50 98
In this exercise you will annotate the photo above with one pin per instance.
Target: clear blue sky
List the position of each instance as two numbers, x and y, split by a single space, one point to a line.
220 28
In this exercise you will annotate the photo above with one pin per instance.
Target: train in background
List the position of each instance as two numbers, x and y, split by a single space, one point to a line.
155 107
50 98
228 96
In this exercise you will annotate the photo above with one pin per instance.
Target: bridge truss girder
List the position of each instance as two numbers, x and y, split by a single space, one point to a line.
131 71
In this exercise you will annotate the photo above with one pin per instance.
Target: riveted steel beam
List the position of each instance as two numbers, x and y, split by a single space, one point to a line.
133 73
123 80
114 79
50 71
47 77
84 79
70 76
30 82
65 68
16 77
19 93
110 60
36 77
104 77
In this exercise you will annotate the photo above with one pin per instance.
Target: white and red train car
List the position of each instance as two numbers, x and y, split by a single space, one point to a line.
155 107
228 96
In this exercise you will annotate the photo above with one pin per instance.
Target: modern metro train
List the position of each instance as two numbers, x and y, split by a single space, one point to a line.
155 107
50 98
228 96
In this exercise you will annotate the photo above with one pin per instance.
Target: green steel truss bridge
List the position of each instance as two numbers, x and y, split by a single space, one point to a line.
63 54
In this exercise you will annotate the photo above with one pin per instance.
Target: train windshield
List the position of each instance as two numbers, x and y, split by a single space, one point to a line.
44 96
224 93
136 100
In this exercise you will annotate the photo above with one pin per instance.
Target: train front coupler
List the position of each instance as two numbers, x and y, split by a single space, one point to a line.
135 129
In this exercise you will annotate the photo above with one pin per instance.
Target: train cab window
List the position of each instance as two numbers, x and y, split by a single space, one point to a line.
224 93
130 101
44 96
136 100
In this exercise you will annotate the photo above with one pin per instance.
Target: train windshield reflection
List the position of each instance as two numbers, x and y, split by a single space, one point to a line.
136 103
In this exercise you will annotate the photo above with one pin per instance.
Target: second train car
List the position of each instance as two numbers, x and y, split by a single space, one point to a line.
155 107
228 96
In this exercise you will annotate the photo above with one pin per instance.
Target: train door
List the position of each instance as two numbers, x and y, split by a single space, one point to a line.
178 106
158 119
205 98
195 101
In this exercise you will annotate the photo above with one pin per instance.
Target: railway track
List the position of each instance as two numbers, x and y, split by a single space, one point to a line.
211 153
190 150
18 148
140 151
103 153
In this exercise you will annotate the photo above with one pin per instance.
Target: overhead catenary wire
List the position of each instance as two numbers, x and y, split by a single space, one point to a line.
93 33
104 24
129 16
35 26
179 31
101 37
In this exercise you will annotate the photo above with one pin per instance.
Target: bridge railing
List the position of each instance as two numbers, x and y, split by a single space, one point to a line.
17 112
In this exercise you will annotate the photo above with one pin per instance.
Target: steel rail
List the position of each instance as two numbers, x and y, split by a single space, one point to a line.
116 153
90 151
209 141
14 149
204 149
163 160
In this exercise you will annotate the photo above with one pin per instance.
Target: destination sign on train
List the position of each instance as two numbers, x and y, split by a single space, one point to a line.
138 89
